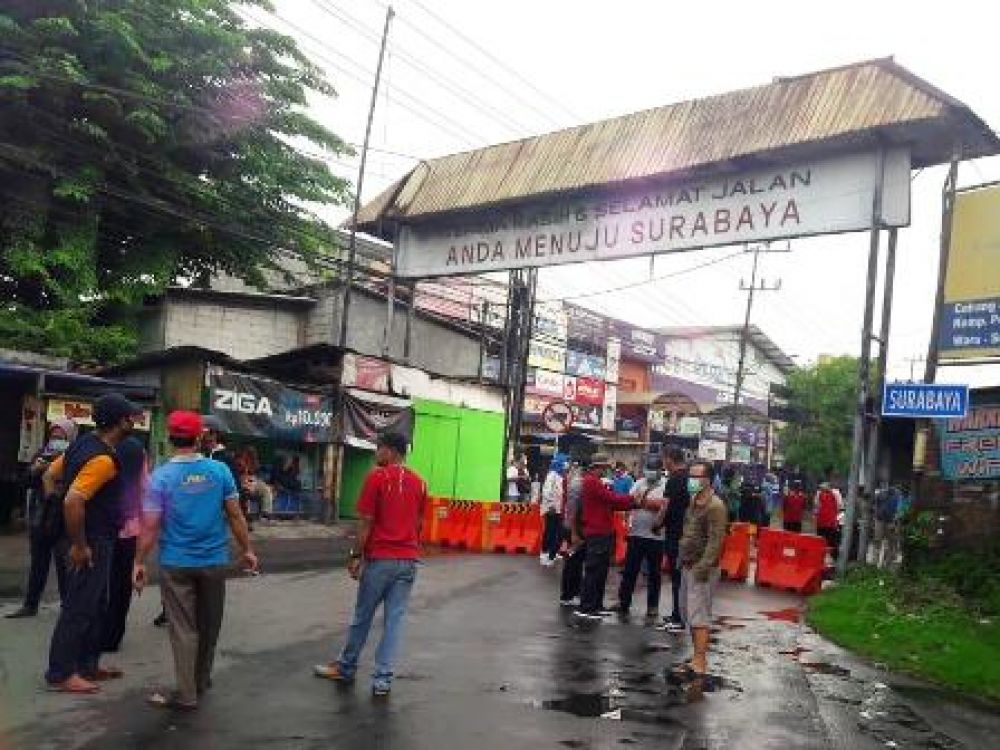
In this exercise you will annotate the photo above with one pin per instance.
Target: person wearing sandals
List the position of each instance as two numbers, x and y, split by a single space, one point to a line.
187 505
391 510
89 469
699 550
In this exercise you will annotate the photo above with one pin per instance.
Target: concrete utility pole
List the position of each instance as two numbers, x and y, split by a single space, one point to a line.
744 336
875 425
352 247
864 371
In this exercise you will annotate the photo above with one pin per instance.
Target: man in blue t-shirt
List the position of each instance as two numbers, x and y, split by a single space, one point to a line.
186 508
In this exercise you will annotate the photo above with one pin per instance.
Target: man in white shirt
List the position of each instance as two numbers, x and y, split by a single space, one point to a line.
553 499
644 543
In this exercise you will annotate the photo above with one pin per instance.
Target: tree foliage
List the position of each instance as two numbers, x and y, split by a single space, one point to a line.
824 398
142 141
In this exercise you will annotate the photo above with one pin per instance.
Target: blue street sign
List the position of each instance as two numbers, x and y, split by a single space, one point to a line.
917 400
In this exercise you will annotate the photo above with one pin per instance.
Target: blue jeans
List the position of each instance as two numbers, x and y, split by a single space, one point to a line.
386 582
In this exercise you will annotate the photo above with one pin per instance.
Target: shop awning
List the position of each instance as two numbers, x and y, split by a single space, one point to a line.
72 383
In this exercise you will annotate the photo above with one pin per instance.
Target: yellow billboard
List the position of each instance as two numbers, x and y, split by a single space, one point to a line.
970 318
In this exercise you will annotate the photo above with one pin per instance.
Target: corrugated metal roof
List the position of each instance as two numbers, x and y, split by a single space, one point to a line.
810 114
756 336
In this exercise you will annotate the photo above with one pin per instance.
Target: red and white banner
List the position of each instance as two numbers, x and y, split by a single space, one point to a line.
590 391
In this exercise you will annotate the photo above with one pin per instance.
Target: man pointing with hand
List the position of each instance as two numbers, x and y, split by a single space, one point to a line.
187 506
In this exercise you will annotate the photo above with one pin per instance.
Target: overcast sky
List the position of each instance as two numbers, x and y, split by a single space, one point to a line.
518 68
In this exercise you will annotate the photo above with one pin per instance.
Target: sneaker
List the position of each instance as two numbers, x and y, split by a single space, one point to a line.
543 559
161 620
332 671
590 616
381 689
22 612
574 602
672 625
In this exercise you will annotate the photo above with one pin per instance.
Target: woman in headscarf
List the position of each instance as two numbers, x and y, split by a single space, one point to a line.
44 517
553 498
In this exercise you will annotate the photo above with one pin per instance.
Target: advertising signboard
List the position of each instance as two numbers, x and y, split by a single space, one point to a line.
970 317
546 356
590 391
585 365
248 405
970 447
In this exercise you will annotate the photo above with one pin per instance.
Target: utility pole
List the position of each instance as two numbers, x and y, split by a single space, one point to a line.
875 423
912 361
352 247
744 338
864 371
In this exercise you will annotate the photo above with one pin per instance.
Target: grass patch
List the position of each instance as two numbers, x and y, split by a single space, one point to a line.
919 625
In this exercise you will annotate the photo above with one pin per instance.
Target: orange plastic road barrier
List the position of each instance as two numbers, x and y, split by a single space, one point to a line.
462 527
735 561
512 528
621 538
790 561
436 509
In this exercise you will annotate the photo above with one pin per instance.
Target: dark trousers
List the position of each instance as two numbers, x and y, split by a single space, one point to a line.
673 558
553 535
42 547
119 594
832 536
572 574
595 572
639 550
793 526
76 641
193 599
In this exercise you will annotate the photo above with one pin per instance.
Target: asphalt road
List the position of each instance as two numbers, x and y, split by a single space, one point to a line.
491 661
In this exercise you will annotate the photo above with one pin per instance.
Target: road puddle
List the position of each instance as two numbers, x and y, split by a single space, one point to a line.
604 706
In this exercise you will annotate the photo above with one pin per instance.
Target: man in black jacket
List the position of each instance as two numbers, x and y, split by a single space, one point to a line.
672 520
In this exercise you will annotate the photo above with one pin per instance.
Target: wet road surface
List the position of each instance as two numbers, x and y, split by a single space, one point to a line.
491 661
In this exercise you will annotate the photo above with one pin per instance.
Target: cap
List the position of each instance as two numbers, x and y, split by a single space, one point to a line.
394 440
184 424
112 408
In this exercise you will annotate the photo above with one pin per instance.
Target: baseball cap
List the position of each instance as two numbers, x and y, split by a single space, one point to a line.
112 408
184 424
394 440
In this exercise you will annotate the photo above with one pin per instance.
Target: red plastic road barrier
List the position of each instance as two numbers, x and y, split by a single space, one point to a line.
434 513
621 537
790 561
462 527
735 561
512 528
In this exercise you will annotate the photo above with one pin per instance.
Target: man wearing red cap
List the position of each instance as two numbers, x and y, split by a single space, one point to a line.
182 511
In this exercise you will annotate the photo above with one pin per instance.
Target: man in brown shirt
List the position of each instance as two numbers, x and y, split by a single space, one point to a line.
699 551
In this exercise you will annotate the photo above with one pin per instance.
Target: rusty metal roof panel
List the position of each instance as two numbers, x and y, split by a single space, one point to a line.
806 115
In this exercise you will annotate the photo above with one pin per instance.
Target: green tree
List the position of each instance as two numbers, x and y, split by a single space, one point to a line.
824 399
141 142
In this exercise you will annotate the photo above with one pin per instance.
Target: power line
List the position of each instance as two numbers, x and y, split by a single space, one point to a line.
436 77
481 49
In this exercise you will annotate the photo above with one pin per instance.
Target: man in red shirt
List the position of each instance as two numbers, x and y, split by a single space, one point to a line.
598 504
391 510
794 505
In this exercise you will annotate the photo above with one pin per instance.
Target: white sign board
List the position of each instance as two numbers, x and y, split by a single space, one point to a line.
822 196
712 450
613 360
610 407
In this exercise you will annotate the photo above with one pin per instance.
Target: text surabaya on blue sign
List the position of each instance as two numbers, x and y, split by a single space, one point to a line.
925 400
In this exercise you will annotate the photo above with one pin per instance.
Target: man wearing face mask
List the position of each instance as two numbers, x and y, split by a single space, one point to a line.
700 550
645 542
89 469
43 526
